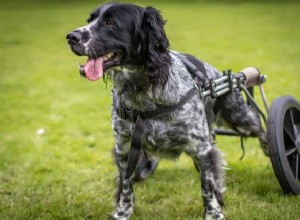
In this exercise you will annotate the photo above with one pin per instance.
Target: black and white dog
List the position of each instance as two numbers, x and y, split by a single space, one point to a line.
128 44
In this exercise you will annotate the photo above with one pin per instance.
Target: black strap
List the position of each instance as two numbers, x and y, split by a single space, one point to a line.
135 148
157 113
127 114
130 114
139 129
194 66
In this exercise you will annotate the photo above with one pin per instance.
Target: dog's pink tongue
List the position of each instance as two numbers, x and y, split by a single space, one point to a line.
94 69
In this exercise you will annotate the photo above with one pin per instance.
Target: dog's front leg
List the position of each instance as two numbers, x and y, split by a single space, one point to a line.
124 195
124 208
210 164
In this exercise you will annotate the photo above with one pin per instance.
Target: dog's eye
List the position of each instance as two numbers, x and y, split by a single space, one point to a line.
108 22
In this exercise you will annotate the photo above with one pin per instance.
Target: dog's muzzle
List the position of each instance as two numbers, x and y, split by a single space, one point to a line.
74 37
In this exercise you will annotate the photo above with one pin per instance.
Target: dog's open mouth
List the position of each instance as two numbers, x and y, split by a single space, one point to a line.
96 67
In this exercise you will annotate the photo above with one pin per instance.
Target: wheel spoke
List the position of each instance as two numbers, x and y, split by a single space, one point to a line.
291 133
295 122
297 131
289 126
291 152
297 167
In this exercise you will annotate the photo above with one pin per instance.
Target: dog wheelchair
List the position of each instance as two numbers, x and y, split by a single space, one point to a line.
282 122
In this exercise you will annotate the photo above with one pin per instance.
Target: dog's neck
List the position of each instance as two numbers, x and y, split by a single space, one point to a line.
132 79
131 88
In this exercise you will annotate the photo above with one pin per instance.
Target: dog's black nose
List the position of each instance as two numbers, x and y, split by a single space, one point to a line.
73 37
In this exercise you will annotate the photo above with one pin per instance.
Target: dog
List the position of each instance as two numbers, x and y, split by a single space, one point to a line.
127 44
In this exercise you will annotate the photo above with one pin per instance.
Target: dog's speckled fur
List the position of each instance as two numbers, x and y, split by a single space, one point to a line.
149 76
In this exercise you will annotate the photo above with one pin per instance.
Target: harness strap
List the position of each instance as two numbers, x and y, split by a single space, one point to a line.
198 71
139 129
135 148
132 115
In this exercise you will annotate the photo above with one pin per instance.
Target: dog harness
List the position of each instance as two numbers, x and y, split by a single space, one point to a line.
140 117
204 87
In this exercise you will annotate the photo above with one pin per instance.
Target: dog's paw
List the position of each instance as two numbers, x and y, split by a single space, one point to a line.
119 218
144 170
121 215
214 216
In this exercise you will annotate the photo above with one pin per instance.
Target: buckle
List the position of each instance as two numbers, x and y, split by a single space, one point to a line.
127 114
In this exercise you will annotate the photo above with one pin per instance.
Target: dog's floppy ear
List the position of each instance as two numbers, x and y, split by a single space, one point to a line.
155 45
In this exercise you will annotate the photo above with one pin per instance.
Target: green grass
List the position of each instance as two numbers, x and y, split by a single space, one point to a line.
68 172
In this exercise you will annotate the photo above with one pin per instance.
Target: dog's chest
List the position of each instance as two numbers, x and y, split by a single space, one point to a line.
169 135
168 140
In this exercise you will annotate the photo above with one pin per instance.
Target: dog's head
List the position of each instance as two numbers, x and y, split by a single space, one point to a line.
123 35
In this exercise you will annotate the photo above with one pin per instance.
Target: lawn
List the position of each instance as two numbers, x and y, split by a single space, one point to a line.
55 133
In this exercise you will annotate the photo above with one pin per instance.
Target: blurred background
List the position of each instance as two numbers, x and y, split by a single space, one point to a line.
55 132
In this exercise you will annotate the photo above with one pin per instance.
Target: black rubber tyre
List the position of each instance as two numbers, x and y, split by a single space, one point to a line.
283 127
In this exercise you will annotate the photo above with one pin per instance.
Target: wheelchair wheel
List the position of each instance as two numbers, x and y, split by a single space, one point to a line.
283 126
